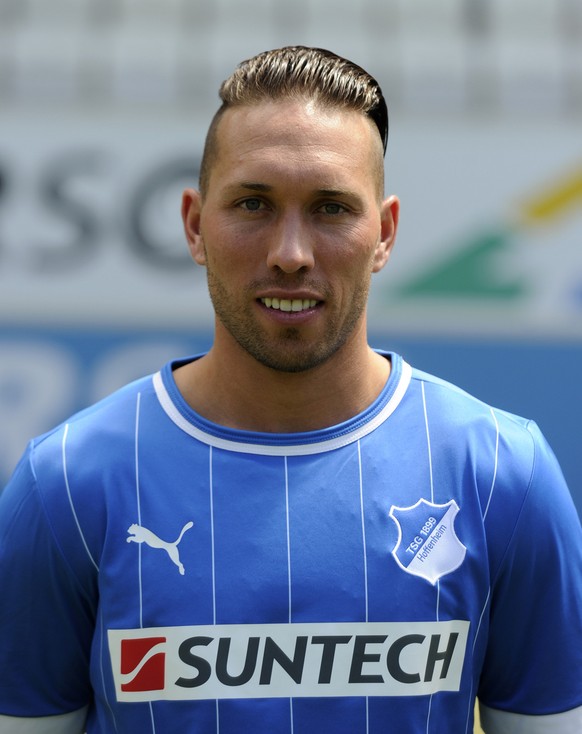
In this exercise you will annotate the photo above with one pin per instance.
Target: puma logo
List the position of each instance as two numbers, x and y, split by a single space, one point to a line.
139 534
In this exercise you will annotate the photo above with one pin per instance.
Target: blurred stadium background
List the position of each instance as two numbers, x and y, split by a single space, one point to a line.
103 109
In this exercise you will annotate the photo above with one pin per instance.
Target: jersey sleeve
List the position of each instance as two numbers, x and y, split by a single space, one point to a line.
46 616
73 723
533 663
495 721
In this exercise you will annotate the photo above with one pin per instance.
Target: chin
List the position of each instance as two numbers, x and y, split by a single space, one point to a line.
293 361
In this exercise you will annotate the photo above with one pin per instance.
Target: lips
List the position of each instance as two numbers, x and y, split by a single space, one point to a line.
288 304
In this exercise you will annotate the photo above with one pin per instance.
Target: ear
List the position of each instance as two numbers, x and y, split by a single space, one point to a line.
191 210
390 211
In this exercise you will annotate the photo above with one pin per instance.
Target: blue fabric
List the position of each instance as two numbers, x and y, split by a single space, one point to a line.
429 507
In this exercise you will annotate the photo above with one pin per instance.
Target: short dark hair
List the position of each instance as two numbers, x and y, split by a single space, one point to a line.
297 72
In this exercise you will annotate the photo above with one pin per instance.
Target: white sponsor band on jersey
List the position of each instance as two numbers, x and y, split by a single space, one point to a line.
288 660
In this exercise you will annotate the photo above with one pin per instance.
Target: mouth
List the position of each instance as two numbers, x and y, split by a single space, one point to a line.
288 304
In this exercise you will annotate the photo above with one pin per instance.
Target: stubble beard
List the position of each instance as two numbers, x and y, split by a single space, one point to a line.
290 351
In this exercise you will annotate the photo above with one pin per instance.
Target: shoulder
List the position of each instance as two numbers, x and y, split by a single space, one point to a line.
69 476
477 425
503 455
102 424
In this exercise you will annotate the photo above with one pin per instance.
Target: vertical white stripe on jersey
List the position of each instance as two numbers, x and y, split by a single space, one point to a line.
427 442
70 497
495 463
212 556
212 548
430 472
290 601
431 480
428 714
138 502
365 559
289 597
481 620
478 628
152 717
493 480
363 530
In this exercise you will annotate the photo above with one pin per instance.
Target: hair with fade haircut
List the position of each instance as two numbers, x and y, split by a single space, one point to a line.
296 72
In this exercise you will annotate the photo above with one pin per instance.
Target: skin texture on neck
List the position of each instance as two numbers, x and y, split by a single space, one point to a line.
292 216
240 393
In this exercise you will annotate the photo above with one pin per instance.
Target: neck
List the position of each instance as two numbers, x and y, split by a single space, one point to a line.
244 394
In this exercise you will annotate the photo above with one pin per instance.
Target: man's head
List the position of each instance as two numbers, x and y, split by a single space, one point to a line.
297 72
291 221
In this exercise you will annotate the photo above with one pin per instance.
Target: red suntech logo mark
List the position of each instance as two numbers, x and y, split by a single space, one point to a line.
143 663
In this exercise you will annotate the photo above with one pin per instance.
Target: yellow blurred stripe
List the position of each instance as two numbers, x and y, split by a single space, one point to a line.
560 196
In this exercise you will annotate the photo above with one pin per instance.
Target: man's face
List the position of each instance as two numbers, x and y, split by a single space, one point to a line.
290 230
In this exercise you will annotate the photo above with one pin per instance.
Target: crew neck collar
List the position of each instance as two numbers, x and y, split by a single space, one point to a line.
281 444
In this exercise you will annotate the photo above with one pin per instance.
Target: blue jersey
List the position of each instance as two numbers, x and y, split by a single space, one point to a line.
167 574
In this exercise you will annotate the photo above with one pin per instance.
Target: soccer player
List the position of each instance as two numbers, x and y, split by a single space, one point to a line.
292 533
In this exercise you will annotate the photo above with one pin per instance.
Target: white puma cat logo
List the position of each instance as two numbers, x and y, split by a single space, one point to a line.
139 534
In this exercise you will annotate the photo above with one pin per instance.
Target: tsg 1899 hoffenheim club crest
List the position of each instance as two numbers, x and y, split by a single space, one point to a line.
427 544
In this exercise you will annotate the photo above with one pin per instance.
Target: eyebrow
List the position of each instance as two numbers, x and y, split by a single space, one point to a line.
261 187
335 192
252 186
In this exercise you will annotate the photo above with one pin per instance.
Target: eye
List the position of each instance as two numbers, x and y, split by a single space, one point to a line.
332 208
252 204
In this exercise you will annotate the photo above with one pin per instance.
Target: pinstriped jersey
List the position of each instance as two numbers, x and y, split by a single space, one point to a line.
374 576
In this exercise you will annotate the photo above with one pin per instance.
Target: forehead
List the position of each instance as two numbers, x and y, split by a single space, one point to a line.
296 137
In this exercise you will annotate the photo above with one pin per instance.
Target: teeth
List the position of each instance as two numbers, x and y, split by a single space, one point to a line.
286 304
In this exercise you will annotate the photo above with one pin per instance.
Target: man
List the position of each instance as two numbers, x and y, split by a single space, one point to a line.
292 532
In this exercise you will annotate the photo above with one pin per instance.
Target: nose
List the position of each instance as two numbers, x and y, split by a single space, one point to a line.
290 247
